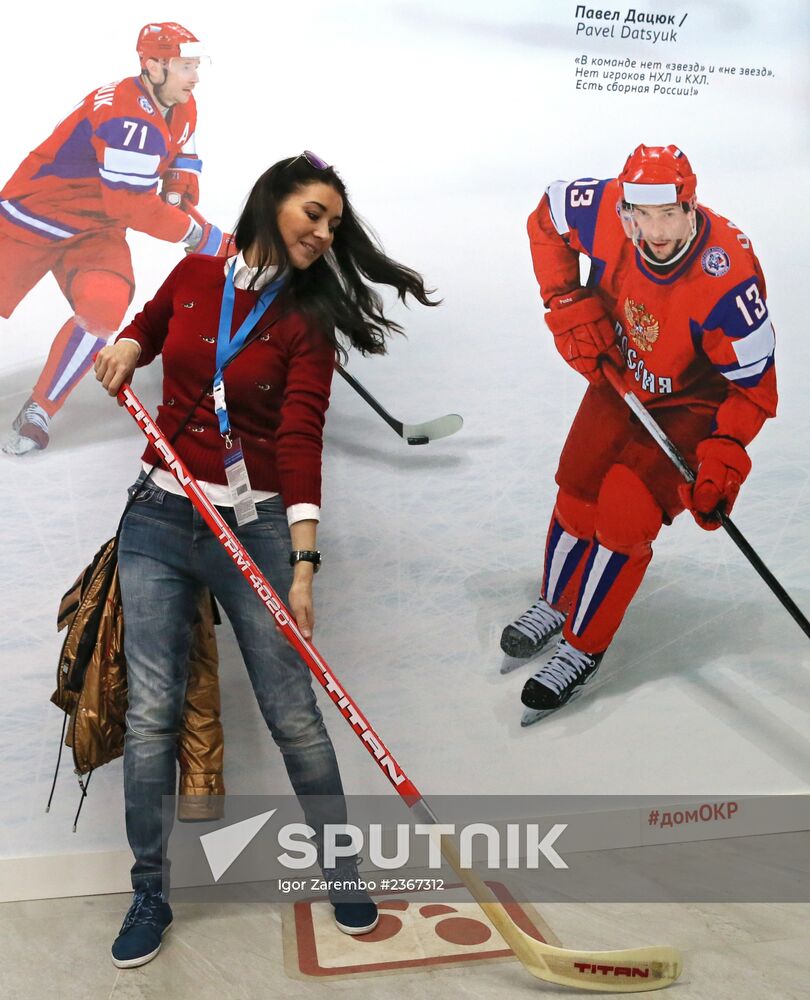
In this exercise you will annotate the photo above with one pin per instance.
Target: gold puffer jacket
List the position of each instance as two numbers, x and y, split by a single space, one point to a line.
91 686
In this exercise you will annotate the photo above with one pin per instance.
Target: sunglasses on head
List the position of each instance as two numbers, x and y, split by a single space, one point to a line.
312 159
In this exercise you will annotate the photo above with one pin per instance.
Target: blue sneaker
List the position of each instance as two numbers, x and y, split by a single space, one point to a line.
141 934
356 918
355 911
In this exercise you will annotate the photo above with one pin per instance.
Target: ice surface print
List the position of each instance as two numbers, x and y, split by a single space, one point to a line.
429 552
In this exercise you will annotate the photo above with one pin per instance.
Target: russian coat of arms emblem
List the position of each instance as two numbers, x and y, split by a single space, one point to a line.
643 325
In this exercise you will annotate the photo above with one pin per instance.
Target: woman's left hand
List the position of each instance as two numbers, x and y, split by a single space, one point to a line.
300 599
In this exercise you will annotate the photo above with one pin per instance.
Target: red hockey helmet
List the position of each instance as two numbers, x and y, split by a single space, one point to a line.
167 41
657 175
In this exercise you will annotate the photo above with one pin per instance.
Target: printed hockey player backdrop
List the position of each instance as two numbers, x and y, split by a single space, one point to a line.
448 122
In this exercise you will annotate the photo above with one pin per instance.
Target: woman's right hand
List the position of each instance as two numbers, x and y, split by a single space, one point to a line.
116 363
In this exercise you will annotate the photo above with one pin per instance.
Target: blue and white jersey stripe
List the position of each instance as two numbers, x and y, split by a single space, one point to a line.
742 317
127 168
20 216
556 205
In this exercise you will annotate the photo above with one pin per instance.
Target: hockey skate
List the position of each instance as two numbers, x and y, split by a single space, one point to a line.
555 684
530 634
29 430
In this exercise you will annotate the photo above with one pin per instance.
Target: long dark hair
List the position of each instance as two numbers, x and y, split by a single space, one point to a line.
333 291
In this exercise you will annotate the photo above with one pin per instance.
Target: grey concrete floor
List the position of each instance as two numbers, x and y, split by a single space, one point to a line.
60 948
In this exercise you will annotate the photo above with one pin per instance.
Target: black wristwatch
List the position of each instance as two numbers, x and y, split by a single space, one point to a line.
306 555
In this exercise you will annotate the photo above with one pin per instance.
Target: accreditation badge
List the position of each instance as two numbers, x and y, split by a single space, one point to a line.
239 483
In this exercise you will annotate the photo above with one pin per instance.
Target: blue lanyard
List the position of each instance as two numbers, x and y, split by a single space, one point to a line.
228 346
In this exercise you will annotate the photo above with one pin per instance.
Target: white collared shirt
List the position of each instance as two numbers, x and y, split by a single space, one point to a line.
242 274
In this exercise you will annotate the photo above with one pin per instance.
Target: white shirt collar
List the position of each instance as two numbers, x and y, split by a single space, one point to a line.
242 274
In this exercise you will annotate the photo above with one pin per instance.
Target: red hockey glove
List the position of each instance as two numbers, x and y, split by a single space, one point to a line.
724 465
210 240
582 332
181 182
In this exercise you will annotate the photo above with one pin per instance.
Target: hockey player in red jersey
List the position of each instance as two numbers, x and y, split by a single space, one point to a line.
676 300
123 158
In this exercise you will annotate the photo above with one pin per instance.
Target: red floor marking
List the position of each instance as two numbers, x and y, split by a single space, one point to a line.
388 927
448 927
463 930
434 909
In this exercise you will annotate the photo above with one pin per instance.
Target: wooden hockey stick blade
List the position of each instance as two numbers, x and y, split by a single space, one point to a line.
630 970
432 430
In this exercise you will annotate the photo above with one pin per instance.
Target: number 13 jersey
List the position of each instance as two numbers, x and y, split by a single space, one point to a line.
698 335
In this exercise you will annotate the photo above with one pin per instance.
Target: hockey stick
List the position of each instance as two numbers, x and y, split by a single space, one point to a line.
611 373
430 430
627 971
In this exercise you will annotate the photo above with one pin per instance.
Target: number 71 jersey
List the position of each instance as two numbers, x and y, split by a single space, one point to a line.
692 335
100 168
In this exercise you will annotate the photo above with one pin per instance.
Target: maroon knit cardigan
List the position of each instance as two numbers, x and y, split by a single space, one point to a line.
277 389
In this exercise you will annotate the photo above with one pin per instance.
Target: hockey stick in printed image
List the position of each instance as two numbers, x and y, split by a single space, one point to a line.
424 433
626 971
611 373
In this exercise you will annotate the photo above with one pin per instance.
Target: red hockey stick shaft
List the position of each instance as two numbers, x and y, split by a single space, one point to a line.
268 596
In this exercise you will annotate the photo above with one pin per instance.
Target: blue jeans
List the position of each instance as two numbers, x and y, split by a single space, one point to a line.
166 554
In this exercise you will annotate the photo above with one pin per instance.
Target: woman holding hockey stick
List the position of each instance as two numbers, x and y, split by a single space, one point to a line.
260 334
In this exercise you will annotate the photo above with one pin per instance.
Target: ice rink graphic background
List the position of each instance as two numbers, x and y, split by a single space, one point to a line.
447 122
